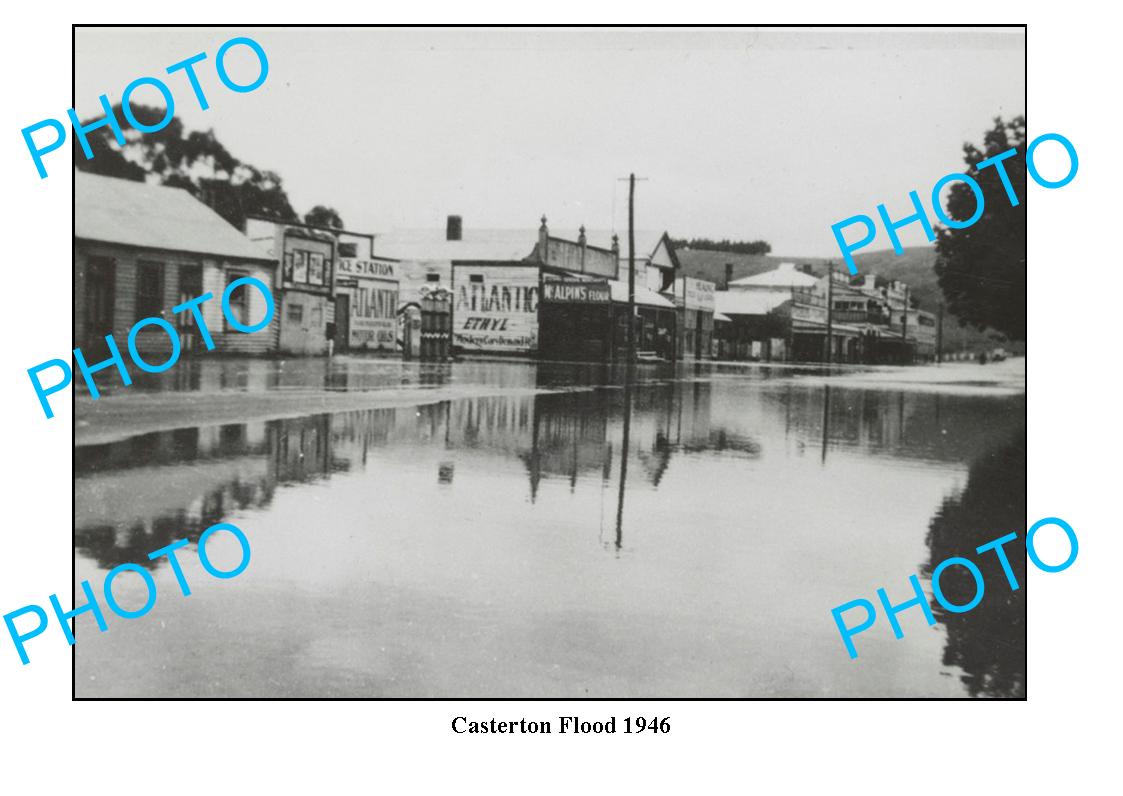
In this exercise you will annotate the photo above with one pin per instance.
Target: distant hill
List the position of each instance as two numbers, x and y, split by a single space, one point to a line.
915 267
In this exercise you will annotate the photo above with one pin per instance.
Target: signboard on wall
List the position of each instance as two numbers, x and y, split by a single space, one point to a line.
809 312
694 294
374 302
580 259
576 291
496 308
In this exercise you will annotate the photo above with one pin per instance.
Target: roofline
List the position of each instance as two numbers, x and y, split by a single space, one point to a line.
587 245
241 258
666 236
319 227
503 262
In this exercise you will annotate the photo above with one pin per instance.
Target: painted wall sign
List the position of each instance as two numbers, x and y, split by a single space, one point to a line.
496 308
575 291
374 303
694 294
380 269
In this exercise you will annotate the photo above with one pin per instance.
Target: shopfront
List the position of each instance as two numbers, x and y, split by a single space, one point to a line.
495 308
575 319
694 300
366 304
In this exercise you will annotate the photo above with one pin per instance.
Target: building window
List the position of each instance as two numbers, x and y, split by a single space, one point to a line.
476 278
315 268
299 266
295 313
432 277
239 299
149 290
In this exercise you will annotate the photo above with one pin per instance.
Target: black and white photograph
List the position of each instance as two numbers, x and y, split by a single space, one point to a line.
539 363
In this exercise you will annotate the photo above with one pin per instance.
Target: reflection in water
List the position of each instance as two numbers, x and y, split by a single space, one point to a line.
624 458
826 421
728 508
988 642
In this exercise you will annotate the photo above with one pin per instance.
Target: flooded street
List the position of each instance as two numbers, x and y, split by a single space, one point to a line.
526 530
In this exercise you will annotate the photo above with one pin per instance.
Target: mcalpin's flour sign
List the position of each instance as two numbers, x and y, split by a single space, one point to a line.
496 308
373 285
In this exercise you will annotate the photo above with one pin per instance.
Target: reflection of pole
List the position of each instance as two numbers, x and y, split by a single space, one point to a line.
535 465
826 420
830 312
631 268
624 456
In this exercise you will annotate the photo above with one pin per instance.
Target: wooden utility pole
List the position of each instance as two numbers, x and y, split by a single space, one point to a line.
631 178
631 268
905 327
830 312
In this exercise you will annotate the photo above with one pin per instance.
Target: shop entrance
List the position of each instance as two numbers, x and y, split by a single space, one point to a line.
100 277
342 321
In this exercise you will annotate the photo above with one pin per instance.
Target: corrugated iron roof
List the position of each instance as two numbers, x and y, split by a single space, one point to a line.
785 275
644 296
747 302
132 213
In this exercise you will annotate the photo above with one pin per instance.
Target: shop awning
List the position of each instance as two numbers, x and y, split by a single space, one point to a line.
644 297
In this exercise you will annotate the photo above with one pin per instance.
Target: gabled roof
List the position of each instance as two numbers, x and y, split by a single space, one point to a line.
747 302
785 275
129 213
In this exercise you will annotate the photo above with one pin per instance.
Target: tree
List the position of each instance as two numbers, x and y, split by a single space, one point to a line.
725 245
982 269
195 161
989 643
322 216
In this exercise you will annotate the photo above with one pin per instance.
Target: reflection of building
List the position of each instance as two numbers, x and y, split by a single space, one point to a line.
123 511
301 448
140 250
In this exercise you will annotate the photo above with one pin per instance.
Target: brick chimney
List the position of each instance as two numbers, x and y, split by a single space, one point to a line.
454 228
728 274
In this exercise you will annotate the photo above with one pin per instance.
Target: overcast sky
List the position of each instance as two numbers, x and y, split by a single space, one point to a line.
747 134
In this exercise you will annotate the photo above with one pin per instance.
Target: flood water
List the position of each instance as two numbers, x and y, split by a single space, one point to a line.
686 536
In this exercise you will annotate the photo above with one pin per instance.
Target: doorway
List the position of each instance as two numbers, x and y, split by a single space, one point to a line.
342 321
100 278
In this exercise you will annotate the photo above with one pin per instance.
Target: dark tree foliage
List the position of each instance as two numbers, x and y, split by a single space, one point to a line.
194 160
725 245
321 216
988 643
982 269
